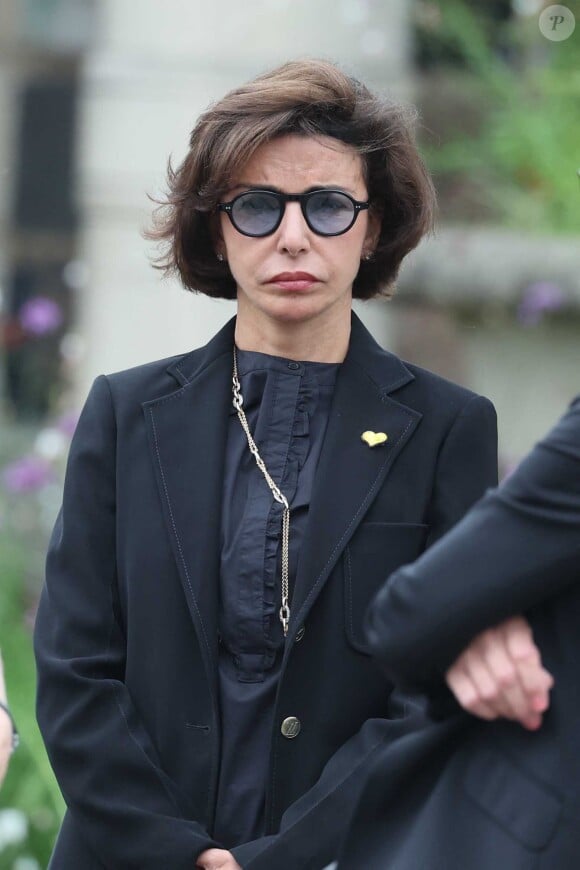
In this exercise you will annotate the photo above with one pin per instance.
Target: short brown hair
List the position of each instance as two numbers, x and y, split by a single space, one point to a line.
312 98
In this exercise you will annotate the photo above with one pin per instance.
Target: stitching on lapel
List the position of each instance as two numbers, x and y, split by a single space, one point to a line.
213 755
384 390
362 507
154 403
178 366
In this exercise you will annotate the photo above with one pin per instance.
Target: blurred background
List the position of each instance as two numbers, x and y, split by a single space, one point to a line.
94 97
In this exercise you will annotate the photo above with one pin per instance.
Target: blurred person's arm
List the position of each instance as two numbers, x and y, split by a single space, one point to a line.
515 549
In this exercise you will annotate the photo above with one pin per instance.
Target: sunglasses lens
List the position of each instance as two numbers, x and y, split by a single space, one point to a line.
329 212
256 214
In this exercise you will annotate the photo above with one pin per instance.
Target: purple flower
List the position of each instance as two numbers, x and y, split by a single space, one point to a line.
40 315
27 474
538 299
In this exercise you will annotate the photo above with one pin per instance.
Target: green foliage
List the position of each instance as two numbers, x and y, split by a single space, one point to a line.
524 156
30 785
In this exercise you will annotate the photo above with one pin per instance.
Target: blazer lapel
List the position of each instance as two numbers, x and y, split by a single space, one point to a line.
187 434
351 473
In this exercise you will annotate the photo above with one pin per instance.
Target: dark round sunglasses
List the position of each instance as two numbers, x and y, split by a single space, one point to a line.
259 213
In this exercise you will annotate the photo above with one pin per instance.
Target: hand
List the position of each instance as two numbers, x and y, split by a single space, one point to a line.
5 729
500 675
217 859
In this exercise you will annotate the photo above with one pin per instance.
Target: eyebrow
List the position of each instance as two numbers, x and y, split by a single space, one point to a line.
274 189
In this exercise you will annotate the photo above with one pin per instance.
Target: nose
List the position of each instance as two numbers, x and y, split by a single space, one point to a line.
293 232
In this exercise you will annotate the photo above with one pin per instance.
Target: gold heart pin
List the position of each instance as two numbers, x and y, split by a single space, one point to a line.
373 439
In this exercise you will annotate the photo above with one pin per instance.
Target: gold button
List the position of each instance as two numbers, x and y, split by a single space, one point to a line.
300 634
291 727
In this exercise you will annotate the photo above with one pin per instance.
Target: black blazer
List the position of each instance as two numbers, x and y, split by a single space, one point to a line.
465 793
126 635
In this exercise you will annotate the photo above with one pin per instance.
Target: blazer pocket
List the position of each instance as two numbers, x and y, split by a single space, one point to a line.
519 804
374 552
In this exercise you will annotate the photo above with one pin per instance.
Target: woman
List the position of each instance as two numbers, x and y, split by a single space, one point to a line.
509 798
228 514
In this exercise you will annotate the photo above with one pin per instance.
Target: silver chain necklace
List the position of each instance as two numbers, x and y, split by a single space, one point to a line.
238 401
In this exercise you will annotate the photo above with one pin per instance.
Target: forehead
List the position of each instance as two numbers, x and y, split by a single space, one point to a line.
296 162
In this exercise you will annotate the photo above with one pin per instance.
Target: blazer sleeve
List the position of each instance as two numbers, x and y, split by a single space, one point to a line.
311 828
518 547
129 811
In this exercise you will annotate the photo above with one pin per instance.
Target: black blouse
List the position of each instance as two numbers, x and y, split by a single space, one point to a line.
287 405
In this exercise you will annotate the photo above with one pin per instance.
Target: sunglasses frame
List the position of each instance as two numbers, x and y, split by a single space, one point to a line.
283 198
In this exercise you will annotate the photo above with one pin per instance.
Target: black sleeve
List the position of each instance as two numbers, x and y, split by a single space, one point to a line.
519 546
130 812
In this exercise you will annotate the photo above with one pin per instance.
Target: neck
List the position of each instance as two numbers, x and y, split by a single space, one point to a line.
317 340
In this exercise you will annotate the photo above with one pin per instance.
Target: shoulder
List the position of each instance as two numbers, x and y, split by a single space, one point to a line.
122 394
157 379
147 381
118 397
428 383
435 395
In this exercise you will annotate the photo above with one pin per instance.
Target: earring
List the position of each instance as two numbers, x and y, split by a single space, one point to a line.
368 256
220 257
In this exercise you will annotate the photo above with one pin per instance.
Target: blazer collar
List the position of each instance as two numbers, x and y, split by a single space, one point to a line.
384 369
186 368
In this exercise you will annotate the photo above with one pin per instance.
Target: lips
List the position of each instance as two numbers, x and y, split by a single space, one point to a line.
293 280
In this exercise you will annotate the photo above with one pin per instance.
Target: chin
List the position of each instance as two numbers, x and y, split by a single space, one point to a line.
295 310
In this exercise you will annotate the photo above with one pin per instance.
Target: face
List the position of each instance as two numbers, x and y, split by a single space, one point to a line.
295 275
